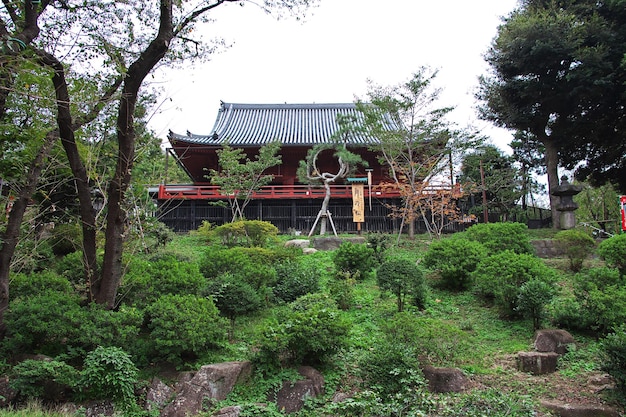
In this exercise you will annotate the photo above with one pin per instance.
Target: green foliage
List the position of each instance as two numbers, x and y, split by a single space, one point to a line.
184 326
50 380
155 234
498 237
613 251
492 403
234 297
455 259
147 280
501 276
205 230
576 245
403 278
353 258
109 373
65 238
435 341
307 331
532 299
254 233
379 243
341 290
599 301
28 285
294 280
614 349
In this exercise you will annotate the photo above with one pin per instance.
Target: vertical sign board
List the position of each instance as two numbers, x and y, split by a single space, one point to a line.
622 203
358 203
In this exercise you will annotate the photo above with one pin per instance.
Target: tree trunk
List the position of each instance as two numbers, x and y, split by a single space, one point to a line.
11 235
324 210
108 284
552 163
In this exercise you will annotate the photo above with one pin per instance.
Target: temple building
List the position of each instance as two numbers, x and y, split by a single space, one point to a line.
287 202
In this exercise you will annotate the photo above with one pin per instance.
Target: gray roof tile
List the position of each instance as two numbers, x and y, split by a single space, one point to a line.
291 124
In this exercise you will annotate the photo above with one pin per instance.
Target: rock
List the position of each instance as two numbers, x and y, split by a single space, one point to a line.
553 340
7 394
232 411
537 363
308 251
601 382
99 409
158 395
332 243
298 243
211 382
579 410
291 396
442 380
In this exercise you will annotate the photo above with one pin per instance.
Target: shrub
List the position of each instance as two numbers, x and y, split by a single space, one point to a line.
246 233
492 403
403 278
294 280
353 258
341 290
307 331
49 380
148 280
532 299
435 341
184 326
576 245
613 251
498 237
72 268
44 323
109 373
65 238
455 259
109 327
379 243
234 297
601 296
500 277
254 265
614 352
28 285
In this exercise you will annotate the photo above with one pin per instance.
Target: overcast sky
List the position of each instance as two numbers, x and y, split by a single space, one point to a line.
329 57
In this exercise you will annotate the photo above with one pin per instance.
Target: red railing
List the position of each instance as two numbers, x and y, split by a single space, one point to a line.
211 192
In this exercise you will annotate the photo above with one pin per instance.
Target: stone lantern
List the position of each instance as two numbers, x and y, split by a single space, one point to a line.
566 206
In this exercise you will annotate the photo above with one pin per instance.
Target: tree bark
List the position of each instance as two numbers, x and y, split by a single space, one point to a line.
107 285
11 235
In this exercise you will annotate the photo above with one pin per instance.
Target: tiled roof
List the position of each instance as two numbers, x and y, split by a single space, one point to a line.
291 124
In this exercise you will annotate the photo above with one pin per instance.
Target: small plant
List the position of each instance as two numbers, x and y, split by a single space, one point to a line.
294 280
109 373
379 243
532 299
184 326
613 251
576 245
455 259
342 290
498 237
614 348
403 278
354 257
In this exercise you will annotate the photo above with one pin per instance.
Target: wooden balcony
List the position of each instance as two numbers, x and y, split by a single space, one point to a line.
270 192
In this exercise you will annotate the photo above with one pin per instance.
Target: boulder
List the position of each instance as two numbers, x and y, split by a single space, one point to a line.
291 396
561 409
232 411
7 394
308 251
442 380
553 340
332 243
210 382
297 243
537 363
158 395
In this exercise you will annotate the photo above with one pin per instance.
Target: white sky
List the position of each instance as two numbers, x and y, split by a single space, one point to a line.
329 57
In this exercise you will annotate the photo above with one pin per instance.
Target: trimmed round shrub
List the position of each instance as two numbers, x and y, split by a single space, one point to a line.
613 251
499 278
110 374
499 237
454 259
576 245
357 259
403 278
532 299
294 280
184 326
49 380
28 285
233 296
306 331
246 232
